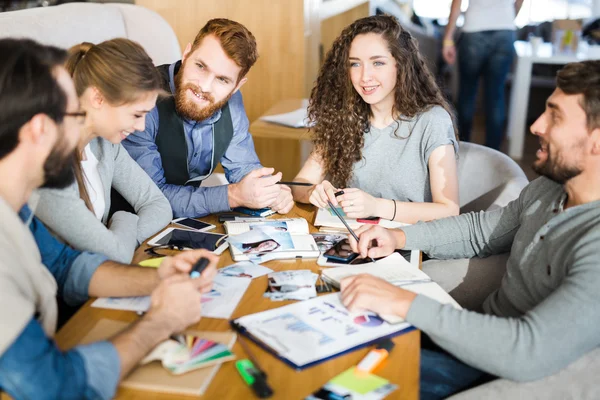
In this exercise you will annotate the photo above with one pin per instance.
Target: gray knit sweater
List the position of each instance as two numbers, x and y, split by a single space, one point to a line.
66 215
546 314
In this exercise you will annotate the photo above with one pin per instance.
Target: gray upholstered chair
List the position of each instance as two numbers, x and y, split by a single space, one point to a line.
488 180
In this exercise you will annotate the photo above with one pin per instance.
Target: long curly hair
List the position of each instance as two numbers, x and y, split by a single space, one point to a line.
341 117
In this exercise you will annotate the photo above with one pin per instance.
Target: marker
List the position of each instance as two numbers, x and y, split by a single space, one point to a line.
375 357
252 374
336 194
200 266
326 394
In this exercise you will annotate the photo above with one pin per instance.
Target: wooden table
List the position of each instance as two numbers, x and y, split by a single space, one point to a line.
400 368
278 146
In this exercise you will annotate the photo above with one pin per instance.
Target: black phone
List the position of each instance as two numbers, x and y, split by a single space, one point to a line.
341 252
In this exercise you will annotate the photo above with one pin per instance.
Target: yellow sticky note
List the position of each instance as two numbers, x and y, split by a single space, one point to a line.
358 382
152 262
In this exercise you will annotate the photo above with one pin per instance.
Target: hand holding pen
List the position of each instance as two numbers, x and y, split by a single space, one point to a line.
336 212
320 194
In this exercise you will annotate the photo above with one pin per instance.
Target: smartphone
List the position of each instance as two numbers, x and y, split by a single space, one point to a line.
368 220
341 252
193 224
261 212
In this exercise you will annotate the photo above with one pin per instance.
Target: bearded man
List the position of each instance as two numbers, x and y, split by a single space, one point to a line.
204 123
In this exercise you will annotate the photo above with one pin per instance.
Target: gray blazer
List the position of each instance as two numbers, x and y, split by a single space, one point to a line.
65 213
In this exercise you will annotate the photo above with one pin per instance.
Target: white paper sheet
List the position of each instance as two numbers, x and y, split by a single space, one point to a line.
221 302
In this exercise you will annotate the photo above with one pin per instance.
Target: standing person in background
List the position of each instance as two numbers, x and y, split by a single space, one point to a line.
117 85
485 49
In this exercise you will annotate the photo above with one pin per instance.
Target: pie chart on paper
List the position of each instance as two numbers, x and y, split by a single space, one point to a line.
368 320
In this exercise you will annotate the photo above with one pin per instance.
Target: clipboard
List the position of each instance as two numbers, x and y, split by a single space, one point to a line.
243 331
391 330
152 376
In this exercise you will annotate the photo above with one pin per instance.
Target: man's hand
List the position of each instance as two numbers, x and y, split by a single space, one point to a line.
257 190
175 304
319 194
284 202
358 204
182 263
375 241
366 292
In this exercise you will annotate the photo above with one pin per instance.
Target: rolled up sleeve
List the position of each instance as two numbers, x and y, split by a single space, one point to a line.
33 367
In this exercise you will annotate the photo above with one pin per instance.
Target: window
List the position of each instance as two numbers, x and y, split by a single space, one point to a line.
532 11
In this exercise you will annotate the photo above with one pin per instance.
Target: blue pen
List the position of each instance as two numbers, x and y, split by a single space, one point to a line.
200 266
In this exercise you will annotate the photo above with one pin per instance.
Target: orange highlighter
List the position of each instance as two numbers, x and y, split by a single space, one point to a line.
375 356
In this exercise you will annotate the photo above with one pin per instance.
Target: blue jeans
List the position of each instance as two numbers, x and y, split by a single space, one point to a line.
487 54
442 375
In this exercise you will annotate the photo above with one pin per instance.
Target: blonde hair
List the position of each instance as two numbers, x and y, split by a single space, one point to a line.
120 69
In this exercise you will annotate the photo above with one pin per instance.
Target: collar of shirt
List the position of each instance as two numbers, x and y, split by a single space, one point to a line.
208 121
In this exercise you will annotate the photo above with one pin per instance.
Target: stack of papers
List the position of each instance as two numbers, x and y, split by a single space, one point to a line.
292 285
355 385
295 119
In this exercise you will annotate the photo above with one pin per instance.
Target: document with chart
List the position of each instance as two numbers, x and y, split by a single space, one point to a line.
312 331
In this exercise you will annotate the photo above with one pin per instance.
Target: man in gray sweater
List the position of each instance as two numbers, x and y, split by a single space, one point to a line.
546 313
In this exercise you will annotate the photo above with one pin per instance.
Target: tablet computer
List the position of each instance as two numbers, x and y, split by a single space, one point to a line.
187 239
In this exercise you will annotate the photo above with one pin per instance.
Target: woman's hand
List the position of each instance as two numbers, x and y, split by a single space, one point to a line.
319 194
358 204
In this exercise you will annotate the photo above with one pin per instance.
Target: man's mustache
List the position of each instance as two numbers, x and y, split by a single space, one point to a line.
199 91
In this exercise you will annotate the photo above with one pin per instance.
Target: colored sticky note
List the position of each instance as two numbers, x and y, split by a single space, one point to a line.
152 262
358 382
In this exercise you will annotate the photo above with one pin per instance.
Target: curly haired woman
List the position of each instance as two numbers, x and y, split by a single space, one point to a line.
383 131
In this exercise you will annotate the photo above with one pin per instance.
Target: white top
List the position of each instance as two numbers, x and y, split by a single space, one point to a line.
93 183
489 15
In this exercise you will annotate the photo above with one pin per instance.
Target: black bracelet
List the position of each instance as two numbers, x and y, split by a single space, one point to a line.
394 201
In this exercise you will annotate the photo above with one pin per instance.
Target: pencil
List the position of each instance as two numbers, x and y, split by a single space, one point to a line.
294 183
335 211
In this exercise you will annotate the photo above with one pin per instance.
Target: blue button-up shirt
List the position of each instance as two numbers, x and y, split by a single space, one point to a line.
239 159
33 367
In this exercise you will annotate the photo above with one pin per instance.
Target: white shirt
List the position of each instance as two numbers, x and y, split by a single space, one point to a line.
489 15
93 183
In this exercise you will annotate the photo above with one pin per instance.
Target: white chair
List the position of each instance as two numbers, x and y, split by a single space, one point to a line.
488 180
69 24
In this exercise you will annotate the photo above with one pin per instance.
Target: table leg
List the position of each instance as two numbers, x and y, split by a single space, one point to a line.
519 99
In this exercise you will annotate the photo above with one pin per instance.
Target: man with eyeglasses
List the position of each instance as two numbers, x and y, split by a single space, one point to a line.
39 130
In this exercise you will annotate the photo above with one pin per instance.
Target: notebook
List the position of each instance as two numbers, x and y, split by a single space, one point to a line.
399 272
329 222
153 376
291 234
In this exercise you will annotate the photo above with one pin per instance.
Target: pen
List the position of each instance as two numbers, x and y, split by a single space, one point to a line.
336 212
200 266
294 183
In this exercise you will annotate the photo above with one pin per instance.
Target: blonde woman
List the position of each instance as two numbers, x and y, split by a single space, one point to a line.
117 85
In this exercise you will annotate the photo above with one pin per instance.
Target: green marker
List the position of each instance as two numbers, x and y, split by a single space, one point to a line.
254 378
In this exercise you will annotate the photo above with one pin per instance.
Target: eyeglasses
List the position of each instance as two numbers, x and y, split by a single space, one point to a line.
80 115
152 251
